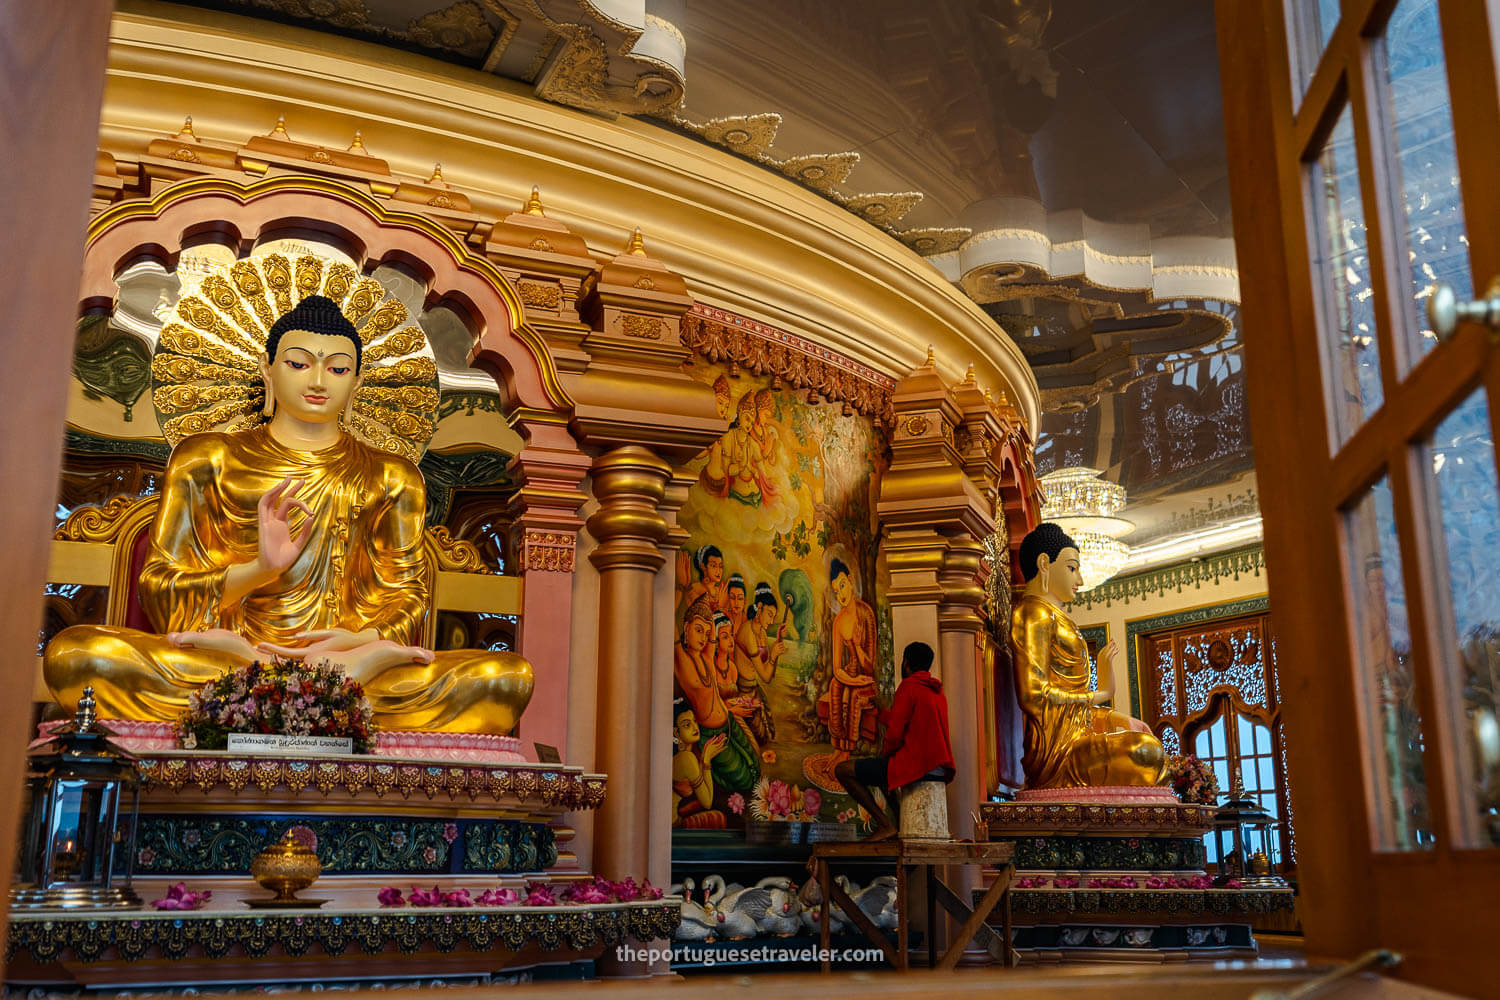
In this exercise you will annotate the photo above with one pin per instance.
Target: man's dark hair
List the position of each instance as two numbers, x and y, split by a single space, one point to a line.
836 569
315 314
917 656
1046 539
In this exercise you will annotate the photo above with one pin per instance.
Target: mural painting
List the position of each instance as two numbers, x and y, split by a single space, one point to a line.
783 654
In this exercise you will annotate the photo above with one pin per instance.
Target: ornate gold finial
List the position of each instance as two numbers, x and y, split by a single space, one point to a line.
637 246
280 130
187 129
358 145
931 361
533 204
437 175
969 377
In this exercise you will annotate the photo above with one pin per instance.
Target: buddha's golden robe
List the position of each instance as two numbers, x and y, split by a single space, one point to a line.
363 566
1069 741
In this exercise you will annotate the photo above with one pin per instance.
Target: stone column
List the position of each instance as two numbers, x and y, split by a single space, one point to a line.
629 484
51 81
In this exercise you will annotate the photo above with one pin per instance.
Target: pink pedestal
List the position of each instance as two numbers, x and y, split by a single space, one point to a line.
1101 795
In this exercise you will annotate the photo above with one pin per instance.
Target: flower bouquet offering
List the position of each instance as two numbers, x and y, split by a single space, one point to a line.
284 697
180 897
600 890
1193 780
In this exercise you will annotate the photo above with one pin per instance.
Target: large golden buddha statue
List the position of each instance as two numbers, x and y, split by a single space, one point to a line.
1071 740
284 533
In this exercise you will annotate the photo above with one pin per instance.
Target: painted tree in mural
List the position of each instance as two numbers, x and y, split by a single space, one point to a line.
783 665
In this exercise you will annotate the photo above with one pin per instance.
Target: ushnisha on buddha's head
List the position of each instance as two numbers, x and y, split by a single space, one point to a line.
311 367
1050 564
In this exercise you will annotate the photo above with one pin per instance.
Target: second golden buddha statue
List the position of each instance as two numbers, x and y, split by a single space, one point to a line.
291 537
1071 739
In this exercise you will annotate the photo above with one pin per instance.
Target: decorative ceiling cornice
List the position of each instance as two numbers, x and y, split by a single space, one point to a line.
751 136
573 51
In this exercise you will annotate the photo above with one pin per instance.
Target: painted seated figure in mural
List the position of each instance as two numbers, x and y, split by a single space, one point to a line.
737 765
755 660
291 537
848 707
692 773
1071 738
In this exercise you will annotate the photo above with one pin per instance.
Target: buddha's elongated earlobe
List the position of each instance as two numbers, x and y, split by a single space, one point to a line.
268 408
1047 578
346 418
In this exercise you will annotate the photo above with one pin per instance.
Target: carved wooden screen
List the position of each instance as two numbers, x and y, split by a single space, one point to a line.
1212 690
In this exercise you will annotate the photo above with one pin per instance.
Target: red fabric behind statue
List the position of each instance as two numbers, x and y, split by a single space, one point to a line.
916 737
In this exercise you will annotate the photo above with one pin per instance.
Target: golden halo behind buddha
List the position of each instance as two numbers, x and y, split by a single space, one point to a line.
205 373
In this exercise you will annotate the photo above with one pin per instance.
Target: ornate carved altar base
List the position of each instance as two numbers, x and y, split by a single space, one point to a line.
374 821
240 946
1100 876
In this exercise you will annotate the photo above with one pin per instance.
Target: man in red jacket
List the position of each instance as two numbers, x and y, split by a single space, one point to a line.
916 744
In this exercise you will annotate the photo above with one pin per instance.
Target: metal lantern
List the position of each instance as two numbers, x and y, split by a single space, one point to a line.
78 782
1242 823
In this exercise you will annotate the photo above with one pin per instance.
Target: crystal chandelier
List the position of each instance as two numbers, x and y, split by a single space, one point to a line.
1085 506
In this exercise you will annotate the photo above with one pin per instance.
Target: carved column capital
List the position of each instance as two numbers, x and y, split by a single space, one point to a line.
538 549
629 483
914 557
963 589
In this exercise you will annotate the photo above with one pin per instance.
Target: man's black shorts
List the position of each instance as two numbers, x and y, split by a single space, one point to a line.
872 770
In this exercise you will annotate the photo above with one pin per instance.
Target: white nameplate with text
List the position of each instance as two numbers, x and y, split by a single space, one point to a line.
277 743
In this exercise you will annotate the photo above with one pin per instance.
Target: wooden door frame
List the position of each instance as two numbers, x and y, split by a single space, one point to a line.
1353 897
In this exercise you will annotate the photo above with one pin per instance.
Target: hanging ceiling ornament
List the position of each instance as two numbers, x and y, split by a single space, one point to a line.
1085 506
206 370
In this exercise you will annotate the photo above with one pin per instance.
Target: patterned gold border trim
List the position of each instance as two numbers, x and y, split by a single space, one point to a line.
550 785
719 335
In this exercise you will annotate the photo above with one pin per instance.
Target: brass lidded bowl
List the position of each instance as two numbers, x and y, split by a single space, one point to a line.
285 867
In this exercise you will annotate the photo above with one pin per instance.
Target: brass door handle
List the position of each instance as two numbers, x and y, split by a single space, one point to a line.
1445 312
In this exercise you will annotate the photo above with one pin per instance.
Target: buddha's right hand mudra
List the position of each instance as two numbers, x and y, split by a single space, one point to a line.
296 539
1071 738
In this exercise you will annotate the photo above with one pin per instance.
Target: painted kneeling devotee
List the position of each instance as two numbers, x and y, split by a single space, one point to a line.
1072 739
916 745
291 538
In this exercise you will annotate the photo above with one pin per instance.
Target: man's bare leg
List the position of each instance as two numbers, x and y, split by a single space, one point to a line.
884 828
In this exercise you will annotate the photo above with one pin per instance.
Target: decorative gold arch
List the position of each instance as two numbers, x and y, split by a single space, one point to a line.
240 214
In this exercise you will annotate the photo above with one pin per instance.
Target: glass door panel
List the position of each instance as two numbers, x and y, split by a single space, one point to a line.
1311 24
1340 258
1386 685
1462 487
1423 166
